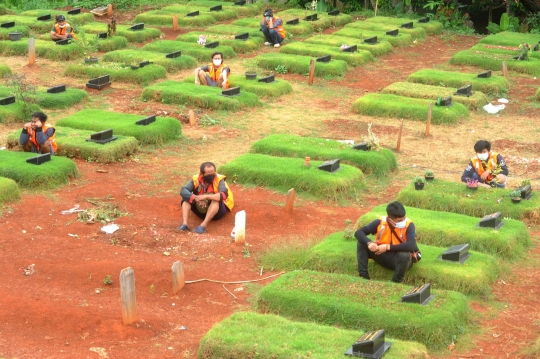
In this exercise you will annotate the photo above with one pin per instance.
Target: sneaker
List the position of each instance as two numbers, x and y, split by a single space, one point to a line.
199 229
277 45
268 43
183 227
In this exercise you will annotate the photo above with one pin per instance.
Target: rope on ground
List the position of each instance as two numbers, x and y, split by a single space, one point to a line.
229 292
235 282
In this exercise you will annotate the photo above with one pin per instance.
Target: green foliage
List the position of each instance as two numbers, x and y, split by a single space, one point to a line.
244 46
429 173
5 70
537 95
397 41
25 93
171 65
379 49
348 302
277 337
107 280
385 105
281 69
61 100
300 64
9 191
44 48
358 58
431 28
282 174
493 61
16 112
533 20
244 10
117 72
419 180
504 22
416 33
164 129
190 49
380 163
515 194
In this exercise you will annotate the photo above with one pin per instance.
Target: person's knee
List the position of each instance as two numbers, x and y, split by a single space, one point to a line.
46 148
500 179
404 257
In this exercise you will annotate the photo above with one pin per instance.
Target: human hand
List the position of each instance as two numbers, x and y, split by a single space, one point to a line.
38 124
381 249
27 125
197 82
484 175
484 185
372 246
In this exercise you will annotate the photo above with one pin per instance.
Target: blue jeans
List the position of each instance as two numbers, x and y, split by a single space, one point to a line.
271 35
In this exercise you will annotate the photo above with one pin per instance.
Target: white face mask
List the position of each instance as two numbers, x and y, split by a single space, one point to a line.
61 26
401 224
483 156
216 62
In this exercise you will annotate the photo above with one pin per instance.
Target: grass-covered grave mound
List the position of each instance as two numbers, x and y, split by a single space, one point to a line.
354 303
72 143
238 46
303 28
493 61
29 18
164 129
300 64
283 173
380 163
44 48
183 93
163 16
242 10
440 195
417 33
4 32
9 191
387 105
497 85
117 72
134 56
537 95
402 39
337 254
5 70
194 50
50 174
236 30
503 50
379 49
274 89
52 100
15 112
357 58
143 35
431 27
509 38
444 229
415 90
278 337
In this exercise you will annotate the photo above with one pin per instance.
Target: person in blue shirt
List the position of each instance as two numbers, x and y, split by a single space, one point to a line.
487 167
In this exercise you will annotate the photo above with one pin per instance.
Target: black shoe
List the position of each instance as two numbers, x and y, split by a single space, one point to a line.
183 228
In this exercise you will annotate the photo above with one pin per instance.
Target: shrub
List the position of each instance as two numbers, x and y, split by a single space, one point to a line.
357 58
171 65
9 191
493 61
401 40
117 72
190 49
492 85
379 49
432 27
503 51
300 64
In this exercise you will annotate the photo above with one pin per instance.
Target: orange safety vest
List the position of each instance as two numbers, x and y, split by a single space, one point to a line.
61 31
229 202
385 236
51 139
491 164
280 29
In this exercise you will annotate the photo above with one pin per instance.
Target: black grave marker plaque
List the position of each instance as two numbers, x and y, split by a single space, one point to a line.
464 91
39 159
7 100
102 35
74 11
6 25
144 63
57 89
371 40
212 45
172 55
194 13
423 20
231 92
243 36
364 146
216 8
333 12
444 101
45 17
526 191
139 26
458 253
485 74
369 345
240 3
330 166
325 58
393 32
267 79
420 295
311 17
352 48
407 25
63 42
146 121
293 21
491 221
102 137
99 82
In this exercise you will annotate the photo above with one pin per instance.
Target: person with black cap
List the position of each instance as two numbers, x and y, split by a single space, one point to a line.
272 28
38 136
61 30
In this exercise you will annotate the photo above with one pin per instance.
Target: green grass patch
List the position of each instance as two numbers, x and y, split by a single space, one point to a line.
45 26
244 10
493 61
118 72
300 64
379 49
51 100
160 18
278 337
44 48
235 30
443 229
50 174
386 105
5 70
503 51
238 46
194 50
274 89
227 13
4 33
497 85
358 58
182 93
379 163
82 18
431 27
103 45
323 21
15 112
9 191
143 35
164 129
416 33
353 303
439 195
509 38
336 254
171 65
401 40
304 28
282 174
415 90
537 95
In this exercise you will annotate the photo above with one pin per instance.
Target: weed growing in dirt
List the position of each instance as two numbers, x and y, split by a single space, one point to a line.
107 280
209 121
349 231
25 92
281 69
246 253
152 289
104 211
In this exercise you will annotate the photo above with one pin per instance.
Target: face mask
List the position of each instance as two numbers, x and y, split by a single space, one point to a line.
401 224
483 156
217 62
209 178
61 26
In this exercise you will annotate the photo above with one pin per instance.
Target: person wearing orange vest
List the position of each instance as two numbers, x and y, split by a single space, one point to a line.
217 75
487 167
272 28
62 30
207 195
394 244
38 136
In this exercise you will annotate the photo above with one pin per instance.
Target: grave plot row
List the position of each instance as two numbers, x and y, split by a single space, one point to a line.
318 20
254 33
239 46
15 112
379 163
183 93
378 49
299 64
278 337
24 30
188 16
337 254
145 34
399 39
73 143
44 48
241 7
172 62
283 173
456 197
351 303
9 191
512 54
509 38
387 105
444 229
64 99
29 18
417 33
55 172
103 45
357 58
190 49
302 28
118 72
272 89
415 90
493 61
497 85
431 27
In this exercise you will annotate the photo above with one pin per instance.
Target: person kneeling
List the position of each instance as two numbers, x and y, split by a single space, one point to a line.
394 245
272 28
208 195
217 73
37 136
487 167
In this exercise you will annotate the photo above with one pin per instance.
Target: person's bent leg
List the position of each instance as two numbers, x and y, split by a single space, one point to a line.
403 263
274 35
266 33
28 146
500 181
362 256
186 208
216 210
202 77
46 148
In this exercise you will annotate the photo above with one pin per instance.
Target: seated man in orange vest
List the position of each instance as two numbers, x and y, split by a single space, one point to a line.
217 73
487 167
272 28
38 136
62 30
394 244
208 195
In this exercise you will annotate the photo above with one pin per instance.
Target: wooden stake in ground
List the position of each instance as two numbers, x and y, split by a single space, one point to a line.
290 201
127 291
31 51
504 69
191 118
175 23
178 279
399 138
240 227
376 6
311 72
430 110
109 10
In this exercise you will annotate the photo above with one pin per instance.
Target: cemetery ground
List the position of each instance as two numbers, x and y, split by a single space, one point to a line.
65 310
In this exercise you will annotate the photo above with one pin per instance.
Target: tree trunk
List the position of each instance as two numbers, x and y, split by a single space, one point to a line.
490 17
366 4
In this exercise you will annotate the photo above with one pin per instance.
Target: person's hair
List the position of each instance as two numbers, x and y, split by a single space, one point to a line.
207 164
268 12
217 53
42 117
395 210
481 145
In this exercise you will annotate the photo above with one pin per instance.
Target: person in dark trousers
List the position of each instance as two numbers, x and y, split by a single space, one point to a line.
272 28
395 241
38 136
207 195
487 167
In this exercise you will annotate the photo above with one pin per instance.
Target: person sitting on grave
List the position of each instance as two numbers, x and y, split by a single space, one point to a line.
61 30
214 74
272 28
487 167
208 195
394 246
38 136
